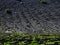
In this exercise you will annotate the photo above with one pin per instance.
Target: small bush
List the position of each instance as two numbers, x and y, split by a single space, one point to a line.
43 1
8 11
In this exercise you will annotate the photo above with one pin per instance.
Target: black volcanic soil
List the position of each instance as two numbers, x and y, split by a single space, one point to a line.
30 16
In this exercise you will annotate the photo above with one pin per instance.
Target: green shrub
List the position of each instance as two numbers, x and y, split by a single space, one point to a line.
43 1
8 11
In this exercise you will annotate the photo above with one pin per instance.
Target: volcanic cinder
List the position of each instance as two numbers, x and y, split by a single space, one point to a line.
30 16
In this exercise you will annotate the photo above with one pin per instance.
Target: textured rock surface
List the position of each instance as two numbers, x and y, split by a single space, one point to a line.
30 16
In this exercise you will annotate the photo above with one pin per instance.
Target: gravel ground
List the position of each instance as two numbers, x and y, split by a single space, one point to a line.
30 16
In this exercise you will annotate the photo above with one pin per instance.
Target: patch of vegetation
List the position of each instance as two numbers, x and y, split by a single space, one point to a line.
19 38
8 11
43 1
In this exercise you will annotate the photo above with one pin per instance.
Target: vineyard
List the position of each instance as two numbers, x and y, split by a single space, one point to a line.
20 38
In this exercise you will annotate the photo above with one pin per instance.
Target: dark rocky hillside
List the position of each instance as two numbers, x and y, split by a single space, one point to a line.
30 16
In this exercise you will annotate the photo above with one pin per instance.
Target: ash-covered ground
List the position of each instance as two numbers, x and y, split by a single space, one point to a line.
30 16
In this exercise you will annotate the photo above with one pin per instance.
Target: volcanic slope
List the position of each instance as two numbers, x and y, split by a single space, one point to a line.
30 16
